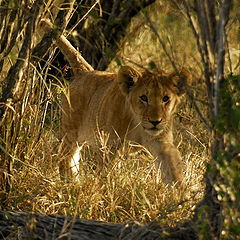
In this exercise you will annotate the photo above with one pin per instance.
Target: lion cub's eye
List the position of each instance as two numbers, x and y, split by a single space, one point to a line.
144 98
166 99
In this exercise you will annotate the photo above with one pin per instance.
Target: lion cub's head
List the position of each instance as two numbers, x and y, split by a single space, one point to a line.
153 96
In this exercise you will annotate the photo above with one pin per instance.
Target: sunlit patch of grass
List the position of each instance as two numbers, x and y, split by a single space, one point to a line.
125 186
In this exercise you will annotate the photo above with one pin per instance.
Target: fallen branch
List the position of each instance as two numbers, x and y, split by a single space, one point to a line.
19 225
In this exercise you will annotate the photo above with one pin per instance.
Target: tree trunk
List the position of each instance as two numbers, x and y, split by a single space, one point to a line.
210 33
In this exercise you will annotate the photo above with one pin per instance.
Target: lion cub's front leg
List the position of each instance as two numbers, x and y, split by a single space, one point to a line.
69 161
168 162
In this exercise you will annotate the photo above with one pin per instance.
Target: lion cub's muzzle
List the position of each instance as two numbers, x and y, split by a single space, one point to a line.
153 127
155 123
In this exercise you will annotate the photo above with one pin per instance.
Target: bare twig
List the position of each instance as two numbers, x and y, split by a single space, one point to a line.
199 112
83 17
155 31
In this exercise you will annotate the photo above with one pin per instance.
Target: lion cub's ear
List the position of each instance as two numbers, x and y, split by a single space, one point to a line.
181 80
127 78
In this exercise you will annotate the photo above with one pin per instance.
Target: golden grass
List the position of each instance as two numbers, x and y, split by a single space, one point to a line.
126 187
123 186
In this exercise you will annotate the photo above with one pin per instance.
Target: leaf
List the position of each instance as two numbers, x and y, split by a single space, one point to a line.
152 65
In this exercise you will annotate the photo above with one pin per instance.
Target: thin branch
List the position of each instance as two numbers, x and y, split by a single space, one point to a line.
228 54
83 17
205 59
199 112
155 31
211 15
224 16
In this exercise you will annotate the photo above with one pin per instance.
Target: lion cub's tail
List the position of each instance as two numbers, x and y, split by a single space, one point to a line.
74 57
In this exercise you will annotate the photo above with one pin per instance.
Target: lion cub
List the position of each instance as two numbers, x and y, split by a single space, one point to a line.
132 105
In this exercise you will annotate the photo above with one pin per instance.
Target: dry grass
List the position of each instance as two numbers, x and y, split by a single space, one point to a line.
126 185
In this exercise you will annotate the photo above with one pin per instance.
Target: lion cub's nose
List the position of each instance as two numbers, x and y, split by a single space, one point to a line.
155 123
